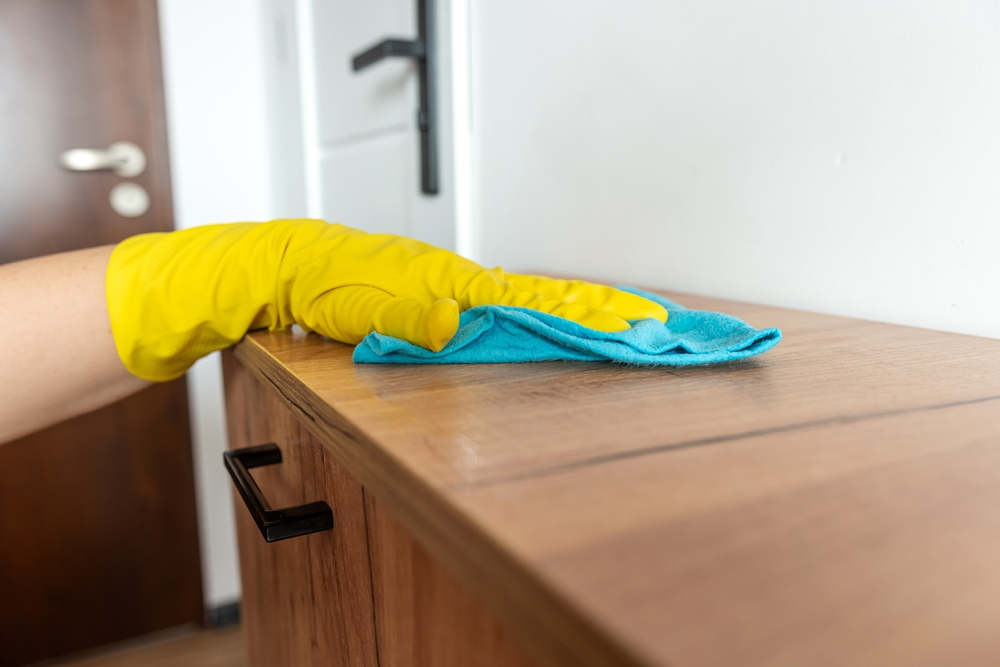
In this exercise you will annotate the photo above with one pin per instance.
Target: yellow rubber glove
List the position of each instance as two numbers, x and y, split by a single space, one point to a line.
175 297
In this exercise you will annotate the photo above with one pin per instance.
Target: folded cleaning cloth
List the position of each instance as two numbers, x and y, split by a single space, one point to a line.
507 334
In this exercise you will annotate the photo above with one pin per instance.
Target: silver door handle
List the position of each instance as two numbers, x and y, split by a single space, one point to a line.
122 157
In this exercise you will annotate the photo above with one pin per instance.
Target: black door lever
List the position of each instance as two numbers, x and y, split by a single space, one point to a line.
422 51
404 48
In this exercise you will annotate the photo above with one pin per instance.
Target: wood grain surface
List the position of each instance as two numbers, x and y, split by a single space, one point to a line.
424 618
99 529
308 600
80 74
834 501
184 647
98 525
362 594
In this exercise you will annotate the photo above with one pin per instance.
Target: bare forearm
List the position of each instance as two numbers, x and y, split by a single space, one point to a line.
57 354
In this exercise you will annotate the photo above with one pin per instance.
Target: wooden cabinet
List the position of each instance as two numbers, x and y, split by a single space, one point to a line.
364 594
831 502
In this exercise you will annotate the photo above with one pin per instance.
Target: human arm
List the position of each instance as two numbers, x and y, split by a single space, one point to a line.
56 348
81 325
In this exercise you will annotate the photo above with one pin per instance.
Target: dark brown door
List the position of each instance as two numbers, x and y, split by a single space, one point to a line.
98 534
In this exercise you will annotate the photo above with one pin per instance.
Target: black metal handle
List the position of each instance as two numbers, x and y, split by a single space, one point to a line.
274 524
402 48
422 50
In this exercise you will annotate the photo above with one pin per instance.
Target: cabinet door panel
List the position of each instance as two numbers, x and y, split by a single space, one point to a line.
306 600
424 617
360 595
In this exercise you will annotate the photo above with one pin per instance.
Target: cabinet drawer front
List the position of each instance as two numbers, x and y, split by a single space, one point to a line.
363 594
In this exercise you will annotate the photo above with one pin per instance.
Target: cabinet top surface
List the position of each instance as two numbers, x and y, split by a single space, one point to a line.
833 501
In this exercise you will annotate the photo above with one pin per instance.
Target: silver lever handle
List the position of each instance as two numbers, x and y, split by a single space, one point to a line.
122 157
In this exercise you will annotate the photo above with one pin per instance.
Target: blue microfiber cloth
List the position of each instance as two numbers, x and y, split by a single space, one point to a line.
507 334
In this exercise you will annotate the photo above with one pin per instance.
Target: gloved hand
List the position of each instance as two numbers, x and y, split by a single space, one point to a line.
175 297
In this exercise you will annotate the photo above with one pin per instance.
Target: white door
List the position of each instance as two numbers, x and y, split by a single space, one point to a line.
356 133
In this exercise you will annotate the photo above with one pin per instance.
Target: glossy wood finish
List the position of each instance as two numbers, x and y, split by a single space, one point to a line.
77 74
834 501
361 594
98 531
308 600
424 618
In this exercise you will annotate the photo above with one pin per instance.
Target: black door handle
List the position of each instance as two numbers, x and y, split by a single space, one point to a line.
274 524
422 50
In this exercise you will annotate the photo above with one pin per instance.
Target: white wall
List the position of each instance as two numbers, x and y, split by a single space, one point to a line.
217 118
832 155
840 156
